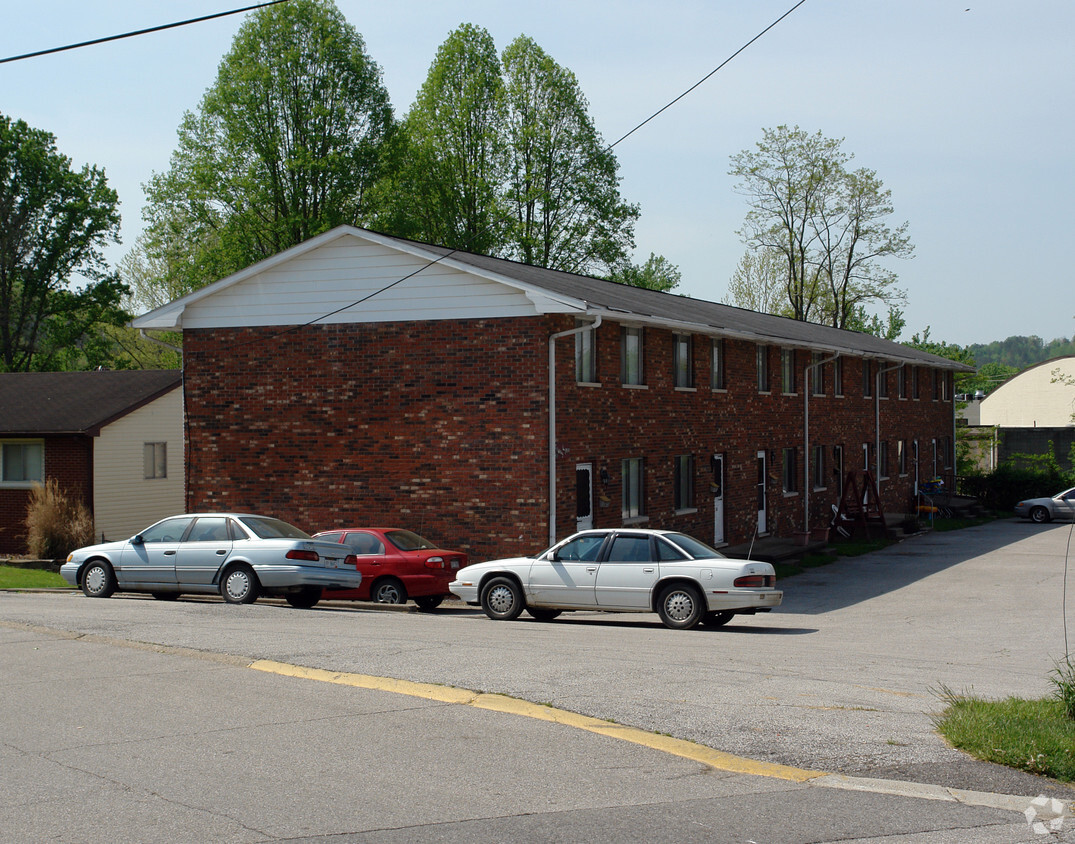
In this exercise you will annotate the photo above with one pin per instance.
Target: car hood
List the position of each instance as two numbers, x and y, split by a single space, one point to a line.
103 547
478 568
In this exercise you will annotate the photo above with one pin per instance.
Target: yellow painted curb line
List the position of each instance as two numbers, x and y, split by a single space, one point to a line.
513 706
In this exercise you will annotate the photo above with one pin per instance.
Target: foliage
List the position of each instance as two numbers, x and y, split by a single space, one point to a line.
1020 352
658 273
18 577
952 351
285 145
1007 485
889 328
56 522
54 224
989 376
1031 735
757 283
1063 680
828 224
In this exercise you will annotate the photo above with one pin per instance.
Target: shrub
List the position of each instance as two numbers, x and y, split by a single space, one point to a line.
56 523
1063 680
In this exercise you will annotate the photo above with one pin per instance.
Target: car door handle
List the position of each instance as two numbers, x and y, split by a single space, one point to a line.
648 570
591 569
222 552
169 553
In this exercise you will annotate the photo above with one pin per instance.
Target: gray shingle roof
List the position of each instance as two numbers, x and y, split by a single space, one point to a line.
35 403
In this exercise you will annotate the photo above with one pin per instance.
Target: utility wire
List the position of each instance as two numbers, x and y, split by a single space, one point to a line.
139 32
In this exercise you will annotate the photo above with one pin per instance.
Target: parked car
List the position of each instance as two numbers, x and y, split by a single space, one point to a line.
397 564
241 556
1041 510
623 570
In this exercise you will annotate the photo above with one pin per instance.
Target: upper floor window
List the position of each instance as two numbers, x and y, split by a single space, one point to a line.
914 382
787 370
817 374
867 378
22 463
838 377
901 381
681 360
717 371
631 356
882 381
936 385
763 368
945 381
155 460
585 357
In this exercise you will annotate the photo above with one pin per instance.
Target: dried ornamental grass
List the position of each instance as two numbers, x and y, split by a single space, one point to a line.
56 523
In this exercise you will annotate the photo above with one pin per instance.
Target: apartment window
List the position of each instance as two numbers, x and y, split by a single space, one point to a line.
585 359
22 463
838 377
946 444
683 481
945 392
817 466
882 382
817 374
155 460
901 382
867 378
914 382
901 456
631 356
717 371
791 469
883 460
936 386
633 489
681 360
763 369
787 370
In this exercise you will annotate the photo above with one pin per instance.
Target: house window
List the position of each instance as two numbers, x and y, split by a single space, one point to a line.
585 359
817 374
633 489
936 386
882 382
631 356
914 382
883 460
684 482
946 444
717 372
791 470
901 382
867 379
763 369
681 360
155 460
901 456
817 469
787 370
22 463
945 393
838 377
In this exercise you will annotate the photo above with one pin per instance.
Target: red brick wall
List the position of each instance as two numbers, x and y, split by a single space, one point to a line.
68 460
442 427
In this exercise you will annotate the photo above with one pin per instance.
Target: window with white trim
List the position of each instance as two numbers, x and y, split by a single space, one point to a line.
631 356
787 370
154 460
763 368
633 488
717 372
22 462
585 358
683 481
681 360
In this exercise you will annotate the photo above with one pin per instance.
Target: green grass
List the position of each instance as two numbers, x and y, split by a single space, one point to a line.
17 577
1031 735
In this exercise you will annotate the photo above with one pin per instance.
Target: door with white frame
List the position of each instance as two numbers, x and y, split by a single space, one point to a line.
583 496
717 463
763 526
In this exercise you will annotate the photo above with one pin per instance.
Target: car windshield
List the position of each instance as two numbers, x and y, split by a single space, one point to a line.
405 540
266 528
698 550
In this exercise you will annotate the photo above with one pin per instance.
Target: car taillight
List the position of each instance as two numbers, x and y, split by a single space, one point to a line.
434 562
299 554
351 560
755 580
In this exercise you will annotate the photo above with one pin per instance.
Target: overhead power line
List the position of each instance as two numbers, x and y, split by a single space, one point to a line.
160 28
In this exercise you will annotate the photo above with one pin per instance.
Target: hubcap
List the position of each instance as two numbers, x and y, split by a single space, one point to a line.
237 584
501 599
95 579
679 606
388 594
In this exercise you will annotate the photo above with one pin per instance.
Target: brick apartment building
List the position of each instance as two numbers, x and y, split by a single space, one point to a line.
359 378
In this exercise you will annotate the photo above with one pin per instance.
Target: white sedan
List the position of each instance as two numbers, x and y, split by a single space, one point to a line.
239 555
623 570
1041 510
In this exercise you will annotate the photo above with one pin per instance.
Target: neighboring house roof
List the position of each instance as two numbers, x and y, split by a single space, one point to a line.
1041 396
537 289
38 403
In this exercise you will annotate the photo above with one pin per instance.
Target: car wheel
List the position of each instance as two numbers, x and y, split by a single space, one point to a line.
1040 515
680 606
165 596
502 599
542 613
716 619
388 590
306 597
240 585
428 603
98 581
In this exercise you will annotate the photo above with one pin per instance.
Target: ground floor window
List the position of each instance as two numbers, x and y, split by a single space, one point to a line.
684 482
22 462
818 467
791 469
633 488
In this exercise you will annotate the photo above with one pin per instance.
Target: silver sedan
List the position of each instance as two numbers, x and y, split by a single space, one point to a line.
1041 510
623 570
239 555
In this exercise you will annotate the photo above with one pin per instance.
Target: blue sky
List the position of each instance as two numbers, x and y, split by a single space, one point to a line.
964 109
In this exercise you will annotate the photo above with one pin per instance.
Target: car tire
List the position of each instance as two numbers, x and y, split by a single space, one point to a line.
543 613
428 603
165 596
98 580
388 590
681 606
239 585
306 598
502 599
717 619
1039 515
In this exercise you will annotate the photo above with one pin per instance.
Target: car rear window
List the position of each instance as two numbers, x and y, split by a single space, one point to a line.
698 550
405 540
267 528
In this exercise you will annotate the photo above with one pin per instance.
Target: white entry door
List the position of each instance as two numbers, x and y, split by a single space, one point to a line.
583 496
763 526
718 499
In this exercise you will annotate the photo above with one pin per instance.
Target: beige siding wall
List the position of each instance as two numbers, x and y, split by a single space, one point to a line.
1040 397
124 500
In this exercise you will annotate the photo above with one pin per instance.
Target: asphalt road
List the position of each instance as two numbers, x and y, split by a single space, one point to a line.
132 719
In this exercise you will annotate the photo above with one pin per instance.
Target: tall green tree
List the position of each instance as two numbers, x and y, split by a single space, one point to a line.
285 145
759 283
827 222
55 288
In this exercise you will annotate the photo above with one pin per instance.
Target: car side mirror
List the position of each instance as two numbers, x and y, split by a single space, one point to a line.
137 539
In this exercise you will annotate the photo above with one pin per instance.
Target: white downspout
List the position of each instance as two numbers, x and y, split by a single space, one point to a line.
806 436
552 417
877 423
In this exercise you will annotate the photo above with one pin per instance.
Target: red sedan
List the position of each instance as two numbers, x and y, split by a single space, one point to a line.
396 565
